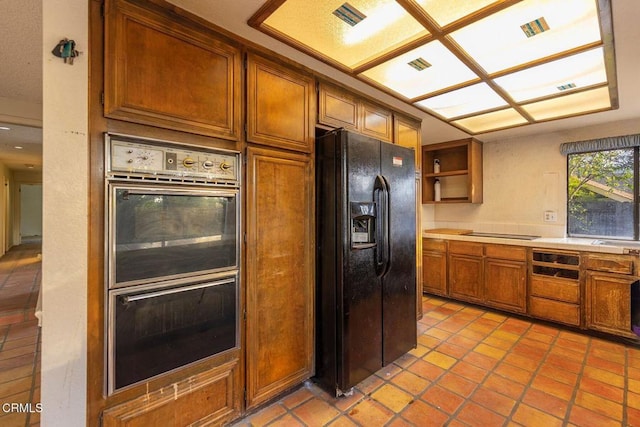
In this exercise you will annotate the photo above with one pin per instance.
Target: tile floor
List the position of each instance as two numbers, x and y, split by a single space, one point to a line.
19 336
472 367
476 367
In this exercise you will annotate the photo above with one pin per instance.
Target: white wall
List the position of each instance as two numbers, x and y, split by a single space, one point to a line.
65 196
523 177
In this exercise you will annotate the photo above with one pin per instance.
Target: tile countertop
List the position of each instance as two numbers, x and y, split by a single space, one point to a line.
566 243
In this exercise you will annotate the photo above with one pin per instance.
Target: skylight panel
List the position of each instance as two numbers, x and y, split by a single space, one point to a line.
576 71
445 70
465 101
498 42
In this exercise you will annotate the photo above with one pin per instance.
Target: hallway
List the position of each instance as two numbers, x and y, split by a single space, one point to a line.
20 275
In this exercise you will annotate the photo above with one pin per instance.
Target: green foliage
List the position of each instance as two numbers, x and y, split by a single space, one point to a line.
613 168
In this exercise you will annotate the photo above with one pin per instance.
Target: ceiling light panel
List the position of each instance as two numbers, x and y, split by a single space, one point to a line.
577 71
491 121
446 70
385 26
446 12
465 101
570 105
498 42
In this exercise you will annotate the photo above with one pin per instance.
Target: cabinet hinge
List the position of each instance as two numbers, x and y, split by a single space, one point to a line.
101 98
244 315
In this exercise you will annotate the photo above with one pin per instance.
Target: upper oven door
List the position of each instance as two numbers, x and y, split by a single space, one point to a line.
161 232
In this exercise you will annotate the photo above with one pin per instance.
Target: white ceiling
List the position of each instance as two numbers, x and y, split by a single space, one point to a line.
20 82
22 54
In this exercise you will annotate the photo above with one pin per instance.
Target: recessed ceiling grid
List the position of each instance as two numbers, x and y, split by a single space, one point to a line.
480 65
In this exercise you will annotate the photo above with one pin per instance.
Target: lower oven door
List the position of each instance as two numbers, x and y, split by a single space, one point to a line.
156 329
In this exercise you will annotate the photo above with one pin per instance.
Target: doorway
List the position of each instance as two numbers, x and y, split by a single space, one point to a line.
30 213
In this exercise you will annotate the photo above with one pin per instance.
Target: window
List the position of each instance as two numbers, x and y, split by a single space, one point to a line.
602 197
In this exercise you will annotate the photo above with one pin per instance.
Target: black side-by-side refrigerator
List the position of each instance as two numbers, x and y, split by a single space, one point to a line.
366 257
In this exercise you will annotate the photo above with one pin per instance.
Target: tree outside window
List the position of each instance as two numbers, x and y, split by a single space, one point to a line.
601 201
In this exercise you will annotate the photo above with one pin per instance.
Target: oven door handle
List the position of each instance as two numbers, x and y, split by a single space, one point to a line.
208 192
131 298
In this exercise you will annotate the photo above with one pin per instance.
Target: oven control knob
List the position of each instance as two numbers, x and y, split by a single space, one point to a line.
188 162
207 164
225 166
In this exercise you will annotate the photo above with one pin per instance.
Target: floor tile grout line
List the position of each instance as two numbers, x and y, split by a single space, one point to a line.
33 377
455 414
535 373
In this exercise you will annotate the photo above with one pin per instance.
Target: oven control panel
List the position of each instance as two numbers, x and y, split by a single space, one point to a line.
183 161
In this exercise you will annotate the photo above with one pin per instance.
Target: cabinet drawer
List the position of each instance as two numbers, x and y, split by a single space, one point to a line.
465 248
558 289
555 310
609 263
516 253
434 245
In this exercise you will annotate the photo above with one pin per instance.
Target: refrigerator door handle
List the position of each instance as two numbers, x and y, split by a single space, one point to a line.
380 198
385 224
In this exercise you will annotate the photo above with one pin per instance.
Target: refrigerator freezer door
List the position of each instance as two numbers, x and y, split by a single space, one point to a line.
398 284
362 327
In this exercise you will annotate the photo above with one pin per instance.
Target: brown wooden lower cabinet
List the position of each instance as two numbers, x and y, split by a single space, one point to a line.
577 288
434 267
280 272
466 277
209 398
505 284
554 287
608 303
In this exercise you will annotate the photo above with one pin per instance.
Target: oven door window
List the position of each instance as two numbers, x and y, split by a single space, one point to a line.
170 233
158 330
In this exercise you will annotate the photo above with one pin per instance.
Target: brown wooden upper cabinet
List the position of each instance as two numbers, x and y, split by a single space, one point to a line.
162 72
460 174
338 107
406 132
280 103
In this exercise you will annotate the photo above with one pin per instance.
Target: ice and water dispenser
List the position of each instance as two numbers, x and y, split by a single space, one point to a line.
363 225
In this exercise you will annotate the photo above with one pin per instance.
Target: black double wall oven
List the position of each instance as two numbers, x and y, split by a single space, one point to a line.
172 256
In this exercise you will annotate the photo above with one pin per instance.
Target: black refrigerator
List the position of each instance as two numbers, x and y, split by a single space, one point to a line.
366 257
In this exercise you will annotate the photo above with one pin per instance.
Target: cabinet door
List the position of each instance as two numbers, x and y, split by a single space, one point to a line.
465 277
505 284
434 272
279 106
406 132
608 303
337 108
376 122
162 72
279 272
